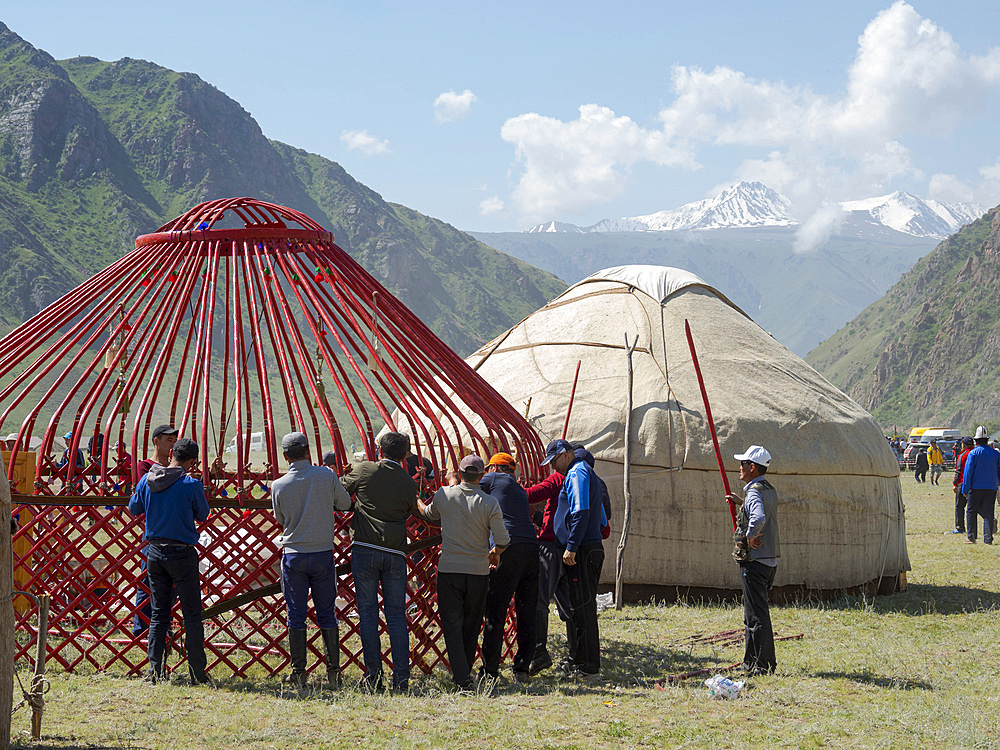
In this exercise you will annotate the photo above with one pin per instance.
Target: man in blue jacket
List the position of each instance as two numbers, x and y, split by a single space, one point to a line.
578 522
172 502
979 484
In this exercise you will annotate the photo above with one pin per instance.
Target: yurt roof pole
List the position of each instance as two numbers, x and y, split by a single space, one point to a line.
711 422
572 395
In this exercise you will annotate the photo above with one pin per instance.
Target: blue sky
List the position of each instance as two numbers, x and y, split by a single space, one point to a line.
497 117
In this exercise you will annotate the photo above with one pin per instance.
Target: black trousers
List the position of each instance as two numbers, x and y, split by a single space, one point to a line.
515 577
757 579
551 584
582 630
959 510
461 602
981 503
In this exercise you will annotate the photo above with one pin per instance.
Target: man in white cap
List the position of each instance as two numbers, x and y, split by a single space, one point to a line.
979 485
468 516
756 549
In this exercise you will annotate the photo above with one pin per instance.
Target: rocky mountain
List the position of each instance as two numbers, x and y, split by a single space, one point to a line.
93 153
753 204
929 350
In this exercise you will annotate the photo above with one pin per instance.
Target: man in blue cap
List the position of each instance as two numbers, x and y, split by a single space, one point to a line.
578 522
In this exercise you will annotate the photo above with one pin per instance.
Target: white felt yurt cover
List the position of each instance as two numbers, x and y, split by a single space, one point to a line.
841 510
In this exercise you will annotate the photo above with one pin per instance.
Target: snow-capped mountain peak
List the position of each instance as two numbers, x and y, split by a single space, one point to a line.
753 204
910 215
745 204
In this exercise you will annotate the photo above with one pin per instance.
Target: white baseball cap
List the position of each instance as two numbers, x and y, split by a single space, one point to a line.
757 454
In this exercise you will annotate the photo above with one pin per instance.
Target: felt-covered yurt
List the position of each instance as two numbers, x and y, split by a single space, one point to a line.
841 512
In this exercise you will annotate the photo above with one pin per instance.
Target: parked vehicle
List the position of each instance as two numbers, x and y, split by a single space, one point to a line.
256 442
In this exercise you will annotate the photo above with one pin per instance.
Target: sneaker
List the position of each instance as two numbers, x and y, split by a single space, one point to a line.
969 541
539 662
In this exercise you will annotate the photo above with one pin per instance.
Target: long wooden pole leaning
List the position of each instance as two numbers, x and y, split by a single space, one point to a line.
711 422
627 480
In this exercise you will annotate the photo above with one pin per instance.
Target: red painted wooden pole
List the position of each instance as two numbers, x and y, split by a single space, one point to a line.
711 422
572 395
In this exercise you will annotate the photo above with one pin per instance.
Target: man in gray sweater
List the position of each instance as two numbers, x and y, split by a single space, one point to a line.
304 502
467 516
758 557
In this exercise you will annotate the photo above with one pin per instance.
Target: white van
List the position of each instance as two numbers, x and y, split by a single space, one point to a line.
256 442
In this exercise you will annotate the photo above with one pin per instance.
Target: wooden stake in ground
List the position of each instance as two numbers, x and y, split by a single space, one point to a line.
6 617
627 481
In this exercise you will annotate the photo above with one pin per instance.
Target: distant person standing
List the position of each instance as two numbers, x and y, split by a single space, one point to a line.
935 457
172 502
305 501
385 496
757 551
966 444
920 466
980 480
468 517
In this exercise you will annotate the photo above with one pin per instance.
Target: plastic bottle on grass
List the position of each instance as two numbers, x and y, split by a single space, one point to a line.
721 686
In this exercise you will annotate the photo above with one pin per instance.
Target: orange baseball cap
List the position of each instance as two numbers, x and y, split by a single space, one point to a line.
502 459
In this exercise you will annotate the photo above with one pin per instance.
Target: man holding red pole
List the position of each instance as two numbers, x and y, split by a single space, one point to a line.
756 549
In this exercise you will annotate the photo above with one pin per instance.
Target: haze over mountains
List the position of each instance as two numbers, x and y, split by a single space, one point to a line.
93 153
753 204
745 242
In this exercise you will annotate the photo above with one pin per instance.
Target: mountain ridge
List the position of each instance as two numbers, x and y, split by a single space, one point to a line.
94 153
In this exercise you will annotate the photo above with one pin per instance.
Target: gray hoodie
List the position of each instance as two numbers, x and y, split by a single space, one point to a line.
160 477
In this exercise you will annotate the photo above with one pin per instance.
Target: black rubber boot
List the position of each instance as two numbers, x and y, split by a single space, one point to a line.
297 649
331 646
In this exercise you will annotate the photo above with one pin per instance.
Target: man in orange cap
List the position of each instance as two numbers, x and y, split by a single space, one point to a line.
517 574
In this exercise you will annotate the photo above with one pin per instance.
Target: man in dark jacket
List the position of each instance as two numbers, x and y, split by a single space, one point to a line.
515 577
385 496
172 502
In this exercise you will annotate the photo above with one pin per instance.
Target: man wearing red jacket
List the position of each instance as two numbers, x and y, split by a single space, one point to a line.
967 445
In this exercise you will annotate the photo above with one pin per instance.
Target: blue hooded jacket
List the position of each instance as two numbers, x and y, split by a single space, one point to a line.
580 513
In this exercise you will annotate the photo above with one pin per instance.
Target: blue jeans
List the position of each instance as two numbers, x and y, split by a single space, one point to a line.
302 571
371 567
144 610
173 571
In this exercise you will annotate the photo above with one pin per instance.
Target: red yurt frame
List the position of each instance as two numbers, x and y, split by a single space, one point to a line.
233 320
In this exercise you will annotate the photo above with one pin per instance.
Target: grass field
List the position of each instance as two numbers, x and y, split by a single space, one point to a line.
911 670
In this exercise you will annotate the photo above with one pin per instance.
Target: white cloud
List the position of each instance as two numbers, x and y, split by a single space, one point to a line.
491 206
570 165
451 106
365 142
947 188
908 77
